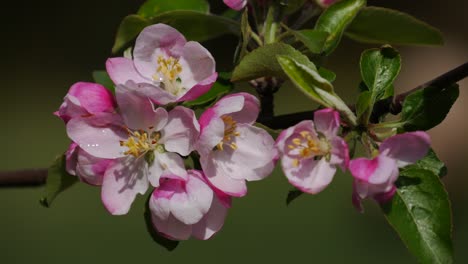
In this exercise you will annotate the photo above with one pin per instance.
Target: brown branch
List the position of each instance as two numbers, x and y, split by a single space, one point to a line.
23 178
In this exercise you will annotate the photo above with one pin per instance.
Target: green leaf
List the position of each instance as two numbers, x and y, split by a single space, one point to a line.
293 195
379 68
426 108
292 5
335 19
431 163
313 40
221 87
128 30
102 78
387 26
314 86
363 103
158 238
262 62
151 8
327 74
420 213
58 180
246 32
207 26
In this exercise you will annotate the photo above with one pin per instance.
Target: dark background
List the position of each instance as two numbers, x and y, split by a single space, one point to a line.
48 45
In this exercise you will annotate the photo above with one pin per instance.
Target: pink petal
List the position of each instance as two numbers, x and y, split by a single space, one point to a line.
235 4
123 180
157 95
164 164
99 135
122 70
93 97
327 121
406 148
197 64
212 222
172 228
71 158
339 153
199 89
211 131
190 206
375 171
137 111
220 176
91 169
242 107
310 176
152 41
181 132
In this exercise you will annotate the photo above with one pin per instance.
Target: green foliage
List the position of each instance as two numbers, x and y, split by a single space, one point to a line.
379 68
293 195
246 32
335 19
327 74
158 238
420 213
387 26
262 62
58 180
313 40
152 8
207 26
426 108
431 163
292 6
221 87
102 78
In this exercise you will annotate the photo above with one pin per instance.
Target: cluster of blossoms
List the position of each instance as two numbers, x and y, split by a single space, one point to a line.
239 4
138 139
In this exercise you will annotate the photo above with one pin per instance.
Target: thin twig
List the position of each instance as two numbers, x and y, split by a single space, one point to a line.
23 178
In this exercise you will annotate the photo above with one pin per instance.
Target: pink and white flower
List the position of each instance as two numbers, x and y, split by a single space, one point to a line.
235 4
184 208
311 151
144 144
376 177
165 67
326 3
233 151
85 99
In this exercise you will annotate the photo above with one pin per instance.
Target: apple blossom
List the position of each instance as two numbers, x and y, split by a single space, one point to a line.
184 208
311 151
233 151
376 177
144 143
85 99
235 4
165 67
326 3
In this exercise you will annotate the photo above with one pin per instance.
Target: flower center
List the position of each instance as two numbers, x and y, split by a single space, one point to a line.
140 142
229 133
167 73
305 146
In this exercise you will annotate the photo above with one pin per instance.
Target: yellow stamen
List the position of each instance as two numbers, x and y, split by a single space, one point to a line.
139 142
170 68
230 133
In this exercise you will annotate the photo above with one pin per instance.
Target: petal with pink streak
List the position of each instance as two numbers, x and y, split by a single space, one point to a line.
181 131
157 95
93 97
122 69
375 171
327 121
229 104
212 222
71 158
211 132
99 135
406 148
235 4
123 180
220 176
166 163
339 153
137 111
91 169
310 176
190 206
199 89
153 41
242 107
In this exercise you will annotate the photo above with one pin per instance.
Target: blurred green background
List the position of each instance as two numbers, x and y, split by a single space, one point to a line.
49 45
